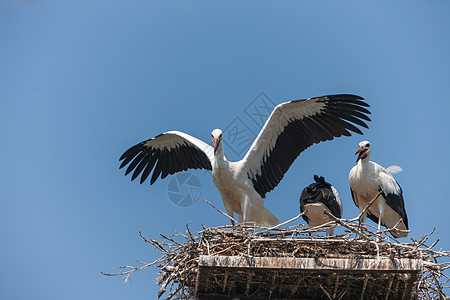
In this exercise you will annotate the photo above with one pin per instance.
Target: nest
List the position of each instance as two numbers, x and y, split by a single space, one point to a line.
296 262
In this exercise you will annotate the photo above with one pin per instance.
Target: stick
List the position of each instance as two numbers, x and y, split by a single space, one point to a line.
288 221
346 226
134 269
231 218
366 208
178 264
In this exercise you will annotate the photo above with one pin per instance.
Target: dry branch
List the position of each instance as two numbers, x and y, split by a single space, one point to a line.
180 253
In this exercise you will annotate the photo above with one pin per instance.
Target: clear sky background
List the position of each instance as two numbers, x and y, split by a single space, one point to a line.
81 81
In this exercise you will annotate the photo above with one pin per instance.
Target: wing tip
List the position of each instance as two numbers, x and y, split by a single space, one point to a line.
123 164
352 98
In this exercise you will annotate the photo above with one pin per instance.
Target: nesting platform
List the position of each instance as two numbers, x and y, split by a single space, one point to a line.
224 277
296 262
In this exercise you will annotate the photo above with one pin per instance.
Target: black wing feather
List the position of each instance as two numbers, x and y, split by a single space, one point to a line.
373 218
397 203
163 160
334 120
320 192
157 170
135 162
140 166
368 213
148 168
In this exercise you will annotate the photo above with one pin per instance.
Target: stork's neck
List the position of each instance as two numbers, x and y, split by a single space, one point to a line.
220 155
363 163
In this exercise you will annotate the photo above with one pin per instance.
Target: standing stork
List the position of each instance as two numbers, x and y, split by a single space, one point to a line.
367 179
291 128
318 197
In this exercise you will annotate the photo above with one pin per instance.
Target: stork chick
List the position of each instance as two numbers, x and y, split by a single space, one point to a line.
318 197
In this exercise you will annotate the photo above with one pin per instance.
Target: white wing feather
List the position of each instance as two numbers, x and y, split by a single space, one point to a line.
275 124
394 169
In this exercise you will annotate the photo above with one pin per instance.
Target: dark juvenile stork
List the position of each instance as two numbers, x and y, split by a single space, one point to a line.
318 197
367 179
291 128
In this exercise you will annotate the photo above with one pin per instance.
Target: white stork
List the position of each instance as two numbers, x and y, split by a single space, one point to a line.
291 128
318 197
367 179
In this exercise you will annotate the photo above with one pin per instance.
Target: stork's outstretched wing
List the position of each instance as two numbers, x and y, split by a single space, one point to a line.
171 152
294 126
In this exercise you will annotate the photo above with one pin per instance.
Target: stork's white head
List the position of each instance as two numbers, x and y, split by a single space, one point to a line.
216 135
363 151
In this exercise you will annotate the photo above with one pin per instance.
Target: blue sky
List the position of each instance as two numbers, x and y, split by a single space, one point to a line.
82 81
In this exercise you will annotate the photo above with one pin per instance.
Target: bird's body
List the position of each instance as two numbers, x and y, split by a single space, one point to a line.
366 180
317 198
238 195
291 128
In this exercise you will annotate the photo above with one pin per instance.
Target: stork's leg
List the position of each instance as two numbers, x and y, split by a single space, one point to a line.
362 220
229 212
241 219
330 231
379 222
245 205
380 216
361 208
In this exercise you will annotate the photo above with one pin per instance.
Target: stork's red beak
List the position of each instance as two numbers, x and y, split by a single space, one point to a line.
362 153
